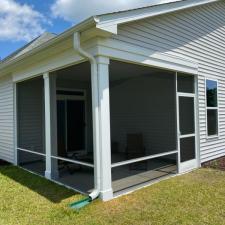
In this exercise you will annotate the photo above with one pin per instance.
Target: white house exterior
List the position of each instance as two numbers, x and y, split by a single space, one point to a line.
156 72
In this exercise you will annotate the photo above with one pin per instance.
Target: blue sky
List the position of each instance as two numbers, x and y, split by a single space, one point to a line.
57 25
23 20
9 46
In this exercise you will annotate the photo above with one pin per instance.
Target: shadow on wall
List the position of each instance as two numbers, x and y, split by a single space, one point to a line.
53 192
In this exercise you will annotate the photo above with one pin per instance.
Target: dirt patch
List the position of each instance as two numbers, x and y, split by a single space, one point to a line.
3 163
216 164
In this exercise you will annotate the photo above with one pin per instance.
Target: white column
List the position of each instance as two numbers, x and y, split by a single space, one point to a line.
15 124
47 97
96 130
53 115
106 192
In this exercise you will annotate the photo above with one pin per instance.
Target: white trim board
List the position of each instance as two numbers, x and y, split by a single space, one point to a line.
15 123
51 64
145 158
32 152
122 51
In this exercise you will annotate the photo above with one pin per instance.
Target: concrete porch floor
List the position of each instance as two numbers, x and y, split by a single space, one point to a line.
122 177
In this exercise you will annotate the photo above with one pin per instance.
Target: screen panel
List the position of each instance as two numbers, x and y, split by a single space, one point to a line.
187 149
187 115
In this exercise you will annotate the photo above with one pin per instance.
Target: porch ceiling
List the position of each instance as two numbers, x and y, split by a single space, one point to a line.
118 70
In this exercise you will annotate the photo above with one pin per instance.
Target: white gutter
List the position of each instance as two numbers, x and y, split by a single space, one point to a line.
95 99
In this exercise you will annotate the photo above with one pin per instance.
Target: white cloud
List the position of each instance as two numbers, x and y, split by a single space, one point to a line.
19 22
76 10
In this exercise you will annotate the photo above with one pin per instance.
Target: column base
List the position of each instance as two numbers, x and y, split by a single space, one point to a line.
48 175
52 175
106 195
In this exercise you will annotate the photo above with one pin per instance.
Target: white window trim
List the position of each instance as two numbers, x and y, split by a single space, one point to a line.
214 108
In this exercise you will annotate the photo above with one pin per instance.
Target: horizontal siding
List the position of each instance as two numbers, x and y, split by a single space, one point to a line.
6 119
197 34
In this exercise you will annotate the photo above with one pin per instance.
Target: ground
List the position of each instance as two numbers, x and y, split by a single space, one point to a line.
194 198
216 164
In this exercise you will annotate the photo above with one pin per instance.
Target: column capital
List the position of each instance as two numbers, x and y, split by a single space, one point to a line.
102 60
46 75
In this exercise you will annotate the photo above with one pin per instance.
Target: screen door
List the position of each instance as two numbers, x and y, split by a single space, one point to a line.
186 122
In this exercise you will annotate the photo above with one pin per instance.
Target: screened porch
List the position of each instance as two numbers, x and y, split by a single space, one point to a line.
146 113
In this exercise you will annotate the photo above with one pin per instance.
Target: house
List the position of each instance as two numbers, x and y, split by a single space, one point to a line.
119 100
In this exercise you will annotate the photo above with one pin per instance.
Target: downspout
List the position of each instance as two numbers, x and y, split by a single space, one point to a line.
95 99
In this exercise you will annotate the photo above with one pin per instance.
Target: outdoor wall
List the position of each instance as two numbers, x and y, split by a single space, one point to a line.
196 34
147 105
6 119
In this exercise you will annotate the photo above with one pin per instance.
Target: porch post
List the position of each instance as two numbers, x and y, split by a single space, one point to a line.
15 124
106 192
47 97
53 116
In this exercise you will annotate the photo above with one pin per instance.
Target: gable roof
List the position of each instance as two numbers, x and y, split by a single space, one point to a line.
106 22
110 21
31 45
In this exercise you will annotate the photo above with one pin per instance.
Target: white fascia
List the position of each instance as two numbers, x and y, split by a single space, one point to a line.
109 22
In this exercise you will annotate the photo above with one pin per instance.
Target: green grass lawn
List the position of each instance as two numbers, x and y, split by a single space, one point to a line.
195 198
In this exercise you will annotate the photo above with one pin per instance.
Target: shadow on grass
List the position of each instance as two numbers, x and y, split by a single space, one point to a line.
51 191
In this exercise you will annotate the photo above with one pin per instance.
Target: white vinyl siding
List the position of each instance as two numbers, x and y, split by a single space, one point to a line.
197 34
6 119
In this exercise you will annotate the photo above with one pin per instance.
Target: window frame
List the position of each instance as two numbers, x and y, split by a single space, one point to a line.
212 108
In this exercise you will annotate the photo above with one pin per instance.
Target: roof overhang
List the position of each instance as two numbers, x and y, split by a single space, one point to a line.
110 22
106 25
85 25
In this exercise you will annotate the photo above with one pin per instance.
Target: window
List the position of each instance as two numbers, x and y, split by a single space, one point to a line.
212 107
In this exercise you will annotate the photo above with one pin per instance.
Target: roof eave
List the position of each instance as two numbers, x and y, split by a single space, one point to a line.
110 22
84 25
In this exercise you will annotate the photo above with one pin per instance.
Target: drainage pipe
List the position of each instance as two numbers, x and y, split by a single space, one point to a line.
95 111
